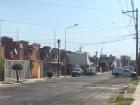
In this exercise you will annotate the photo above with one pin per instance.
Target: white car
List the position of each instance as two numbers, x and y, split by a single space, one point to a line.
77 72
118 71
129 67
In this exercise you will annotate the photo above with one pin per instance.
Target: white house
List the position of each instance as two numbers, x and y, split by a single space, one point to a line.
77 58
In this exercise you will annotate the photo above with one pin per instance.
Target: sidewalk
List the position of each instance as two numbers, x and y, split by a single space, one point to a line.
136 96
12 83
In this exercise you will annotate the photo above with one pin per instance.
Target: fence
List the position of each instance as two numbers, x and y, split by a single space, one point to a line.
24 74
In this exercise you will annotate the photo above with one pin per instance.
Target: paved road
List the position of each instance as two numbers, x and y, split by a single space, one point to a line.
95 90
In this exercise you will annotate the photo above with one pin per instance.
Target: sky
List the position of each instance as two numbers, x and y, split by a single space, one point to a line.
101 25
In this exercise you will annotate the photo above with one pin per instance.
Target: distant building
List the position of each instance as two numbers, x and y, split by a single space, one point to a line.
125 60
117 63
45 53
78 58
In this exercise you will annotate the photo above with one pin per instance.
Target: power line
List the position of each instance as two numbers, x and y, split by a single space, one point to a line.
130 18
124 17
50 34
135 17
133 14
105 42
120 5
44 25
127 4
22 22
71 6
95 38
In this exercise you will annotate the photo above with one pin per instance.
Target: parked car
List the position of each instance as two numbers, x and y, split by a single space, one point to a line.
129 67
77 72
118 71
90 72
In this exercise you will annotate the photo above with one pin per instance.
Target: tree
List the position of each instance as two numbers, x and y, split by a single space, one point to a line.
1 64
103 66
17 67
6 40
1 68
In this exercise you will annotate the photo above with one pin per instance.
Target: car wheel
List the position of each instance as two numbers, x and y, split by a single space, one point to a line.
133 76
116 75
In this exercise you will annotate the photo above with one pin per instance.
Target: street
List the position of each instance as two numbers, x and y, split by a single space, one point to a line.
92 90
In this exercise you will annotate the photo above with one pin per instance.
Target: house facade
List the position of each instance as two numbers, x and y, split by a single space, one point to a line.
77 59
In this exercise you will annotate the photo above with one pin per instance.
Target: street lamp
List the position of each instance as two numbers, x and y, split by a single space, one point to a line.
66 41
66 34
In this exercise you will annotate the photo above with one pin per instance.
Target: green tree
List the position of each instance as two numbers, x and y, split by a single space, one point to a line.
103 66
1 68
1 64
17 67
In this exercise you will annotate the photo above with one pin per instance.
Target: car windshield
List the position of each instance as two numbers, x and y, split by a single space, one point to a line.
77 70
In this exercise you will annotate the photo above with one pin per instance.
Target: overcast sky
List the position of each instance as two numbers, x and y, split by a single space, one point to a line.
101 24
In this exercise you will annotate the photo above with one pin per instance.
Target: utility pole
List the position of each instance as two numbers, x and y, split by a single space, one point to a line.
17 34
101 51
54 32
137 47
18 46
136 29
58 41
96 57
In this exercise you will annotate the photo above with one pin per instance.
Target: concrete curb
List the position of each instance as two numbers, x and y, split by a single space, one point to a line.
27 81
136 96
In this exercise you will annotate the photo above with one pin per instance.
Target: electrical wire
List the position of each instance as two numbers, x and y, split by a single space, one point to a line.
124 17
106 42
127 4
71 6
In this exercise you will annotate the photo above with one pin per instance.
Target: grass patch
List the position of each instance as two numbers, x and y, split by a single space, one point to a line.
135 81
120 100
12 81
131 90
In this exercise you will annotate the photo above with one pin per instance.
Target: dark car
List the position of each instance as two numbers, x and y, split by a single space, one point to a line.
90 72
77 72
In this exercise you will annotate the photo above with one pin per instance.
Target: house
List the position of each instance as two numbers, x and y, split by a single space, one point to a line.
10 47
45 53
54 62
125 60
106 63
45 57
26 73
77 59
21 50
34 57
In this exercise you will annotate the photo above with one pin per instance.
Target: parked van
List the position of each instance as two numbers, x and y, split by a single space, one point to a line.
129 67
119 71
